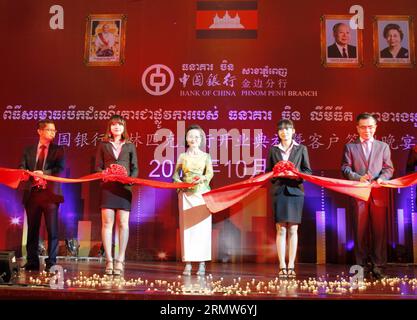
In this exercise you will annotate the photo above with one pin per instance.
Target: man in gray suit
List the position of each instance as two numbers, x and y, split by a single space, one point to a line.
369 160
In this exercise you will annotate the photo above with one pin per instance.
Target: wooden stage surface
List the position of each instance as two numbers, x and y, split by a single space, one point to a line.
84 280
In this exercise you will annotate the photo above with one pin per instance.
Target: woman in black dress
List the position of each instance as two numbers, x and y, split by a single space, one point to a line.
116 197
288 194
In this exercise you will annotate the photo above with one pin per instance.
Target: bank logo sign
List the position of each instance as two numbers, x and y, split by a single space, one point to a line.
158 79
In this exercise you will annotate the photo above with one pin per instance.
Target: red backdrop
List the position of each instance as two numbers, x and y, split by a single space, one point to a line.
43 69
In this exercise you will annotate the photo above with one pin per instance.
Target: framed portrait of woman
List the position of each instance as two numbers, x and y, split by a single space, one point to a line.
341 45
394 42
105 38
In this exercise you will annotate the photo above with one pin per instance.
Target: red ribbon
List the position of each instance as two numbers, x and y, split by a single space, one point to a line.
401 182
13 177
224 197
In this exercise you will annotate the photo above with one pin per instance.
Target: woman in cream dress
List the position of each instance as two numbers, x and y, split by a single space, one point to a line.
195 218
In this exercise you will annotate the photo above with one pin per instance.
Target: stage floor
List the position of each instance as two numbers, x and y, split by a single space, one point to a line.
164 281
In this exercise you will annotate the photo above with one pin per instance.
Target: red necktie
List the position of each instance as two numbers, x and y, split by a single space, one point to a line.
41 158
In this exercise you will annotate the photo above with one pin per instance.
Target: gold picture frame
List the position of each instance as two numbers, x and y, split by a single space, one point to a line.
394 35
332 55
105 38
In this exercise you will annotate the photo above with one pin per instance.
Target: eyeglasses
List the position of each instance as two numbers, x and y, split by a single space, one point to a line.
367 127
50 130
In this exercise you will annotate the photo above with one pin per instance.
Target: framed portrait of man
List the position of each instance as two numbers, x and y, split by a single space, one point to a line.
105 38
341 45
394 42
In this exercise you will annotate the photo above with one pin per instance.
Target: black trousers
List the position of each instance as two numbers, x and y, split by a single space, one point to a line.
369 223
40 203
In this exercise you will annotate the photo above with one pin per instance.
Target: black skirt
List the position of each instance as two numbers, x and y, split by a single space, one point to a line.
288 208
115 195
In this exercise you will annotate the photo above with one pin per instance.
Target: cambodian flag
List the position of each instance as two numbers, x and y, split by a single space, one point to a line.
227 19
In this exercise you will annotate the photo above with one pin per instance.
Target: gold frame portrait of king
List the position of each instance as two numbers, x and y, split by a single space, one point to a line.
105 38
341 46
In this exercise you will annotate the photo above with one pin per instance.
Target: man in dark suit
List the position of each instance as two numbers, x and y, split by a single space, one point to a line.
41 196
341 47
369 160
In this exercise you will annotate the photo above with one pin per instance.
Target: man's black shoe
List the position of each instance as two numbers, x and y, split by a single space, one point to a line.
378 274
367 271
49 266
31 267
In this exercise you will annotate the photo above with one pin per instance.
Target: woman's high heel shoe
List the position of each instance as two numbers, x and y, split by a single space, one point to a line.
201 269
291 273
282 274
119 267
109 267
187 269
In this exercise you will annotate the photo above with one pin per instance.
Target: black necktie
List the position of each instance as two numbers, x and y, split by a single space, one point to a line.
344 53
41 158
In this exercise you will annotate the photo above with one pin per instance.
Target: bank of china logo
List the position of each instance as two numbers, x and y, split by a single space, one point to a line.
157 79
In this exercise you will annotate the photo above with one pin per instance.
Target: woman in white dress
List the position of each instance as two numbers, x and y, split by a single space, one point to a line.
195 218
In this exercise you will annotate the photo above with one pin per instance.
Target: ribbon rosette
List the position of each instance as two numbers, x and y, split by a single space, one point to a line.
284 169
114 172
41 183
